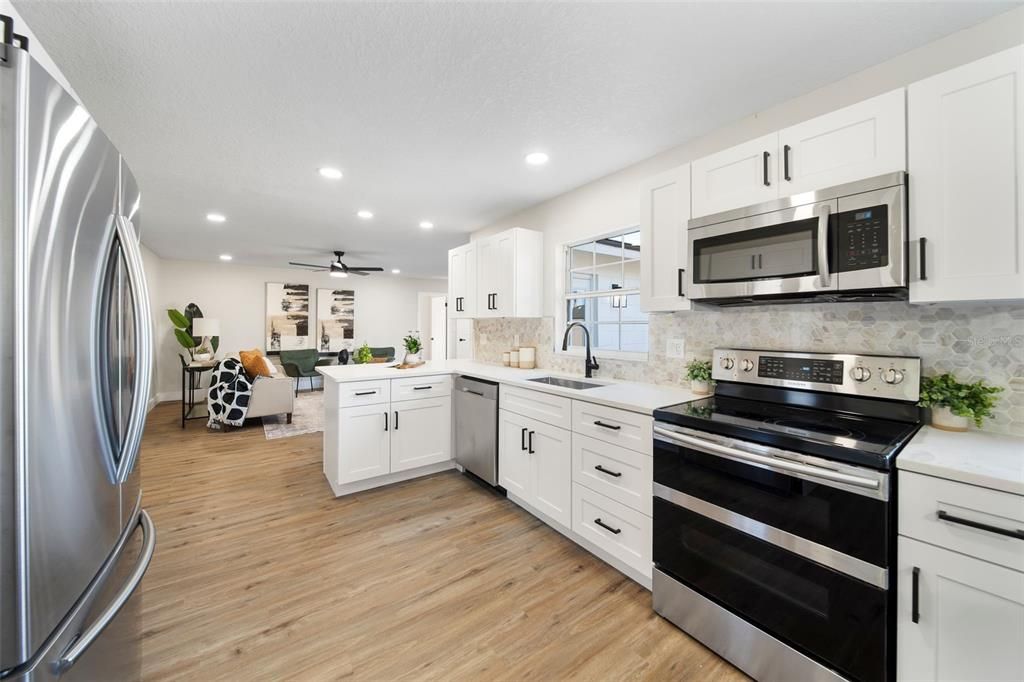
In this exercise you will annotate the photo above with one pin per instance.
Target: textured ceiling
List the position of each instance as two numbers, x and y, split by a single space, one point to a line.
429 108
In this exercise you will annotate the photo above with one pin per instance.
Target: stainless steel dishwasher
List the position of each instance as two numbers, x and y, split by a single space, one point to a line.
476 427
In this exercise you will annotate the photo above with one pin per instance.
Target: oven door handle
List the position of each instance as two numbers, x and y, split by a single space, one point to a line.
766 461
824 274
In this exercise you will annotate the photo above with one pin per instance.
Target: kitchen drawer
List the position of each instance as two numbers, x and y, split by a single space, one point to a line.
922 498
359 393
550 409
628 429
415 388
614 471
622 532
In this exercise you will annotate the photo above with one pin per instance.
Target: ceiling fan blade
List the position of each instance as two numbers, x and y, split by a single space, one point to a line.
307 265
365 269
355 271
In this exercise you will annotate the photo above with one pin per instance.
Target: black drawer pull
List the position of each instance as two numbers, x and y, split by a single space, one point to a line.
422 388
600 468
915 605
1010 533
396 420
385 421
522 439
600 423
607 527
366 392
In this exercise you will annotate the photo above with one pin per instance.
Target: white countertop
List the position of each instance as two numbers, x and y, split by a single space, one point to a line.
626 395
990 460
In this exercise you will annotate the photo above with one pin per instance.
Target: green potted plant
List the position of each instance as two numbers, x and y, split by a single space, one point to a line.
699 374
363 354
413 346
183 333
954 403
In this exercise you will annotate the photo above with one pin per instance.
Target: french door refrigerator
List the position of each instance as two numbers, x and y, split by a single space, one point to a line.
75 367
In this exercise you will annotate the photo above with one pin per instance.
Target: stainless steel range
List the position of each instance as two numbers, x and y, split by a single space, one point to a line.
775 516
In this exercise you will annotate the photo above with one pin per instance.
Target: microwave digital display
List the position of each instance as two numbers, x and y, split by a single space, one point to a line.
862 239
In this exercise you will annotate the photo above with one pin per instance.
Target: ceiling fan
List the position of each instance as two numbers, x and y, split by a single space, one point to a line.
337 268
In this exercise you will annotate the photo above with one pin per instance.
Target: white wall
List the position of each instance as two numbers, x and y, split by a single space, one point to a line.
614 200
386 306
34 48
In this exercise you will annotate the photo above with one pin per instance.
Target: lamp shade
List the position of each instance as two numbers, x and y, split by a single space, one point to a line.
205 326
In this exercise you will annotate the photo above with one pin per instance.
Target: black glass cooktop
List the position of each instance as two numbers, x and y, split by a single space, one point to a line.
871 441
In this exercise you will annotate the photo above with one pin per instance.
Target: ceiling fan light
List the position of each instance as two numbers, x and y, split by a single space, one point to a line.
339 273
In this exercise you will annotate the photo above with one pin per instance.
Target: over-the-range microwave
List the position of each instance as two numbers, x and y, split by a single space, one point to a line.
843 243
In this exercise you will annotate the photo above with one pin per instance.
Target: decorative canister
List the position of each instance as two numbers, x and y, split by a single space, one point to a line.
513 359
527 357
506 358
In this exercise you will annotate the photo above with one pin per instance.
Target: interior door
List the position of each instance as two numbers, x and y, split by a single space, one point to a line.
438 328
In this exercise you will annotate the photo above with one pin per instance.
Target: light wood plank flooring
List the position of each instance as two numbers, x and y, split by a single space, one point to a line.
260 573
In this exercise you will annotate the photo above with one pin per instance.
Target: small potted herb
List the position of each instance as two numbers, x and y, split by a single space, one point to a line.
954 403
413 346
699 374
363 354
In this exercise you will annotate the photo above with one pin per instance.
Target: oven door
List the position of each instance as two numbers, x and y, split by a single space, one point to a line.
772 543
772 254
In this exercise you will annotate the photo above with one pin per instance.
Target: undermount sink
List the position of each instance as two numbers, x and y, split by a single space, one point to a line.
565 383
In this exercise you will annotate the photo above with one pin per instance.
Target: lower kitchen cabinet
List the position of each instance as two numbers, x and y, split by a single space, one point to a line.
421 432
535 465
622 532
361 440
959 618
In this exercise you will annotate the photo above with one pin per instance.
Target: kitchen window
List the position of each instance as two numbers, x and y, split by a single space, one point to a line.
602 290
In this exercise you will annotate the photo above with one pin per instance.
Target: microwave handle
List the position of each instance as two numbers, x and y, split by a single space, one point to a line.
825 277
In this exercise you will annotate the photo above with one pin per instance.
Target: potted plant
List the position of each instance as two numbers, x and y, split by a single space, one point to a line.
363 354
954 403
183 333
699 374
413 346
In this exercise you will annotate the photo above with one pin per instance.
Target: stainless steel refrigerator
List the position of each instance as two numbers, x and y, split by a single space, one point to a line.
75 368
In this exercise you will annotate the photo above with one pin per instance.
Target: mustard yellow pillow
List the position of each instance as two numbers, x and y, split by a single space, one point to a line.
252 361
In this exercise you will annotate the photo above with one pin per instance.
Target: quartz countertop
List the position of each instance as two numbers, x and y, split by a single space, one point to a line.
626 395
980 458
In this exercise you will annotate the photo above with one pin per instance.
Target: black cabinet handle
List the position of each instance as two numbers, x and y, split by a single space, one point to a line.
680 282
922 246
1010 533
600 423
915 602
396 420
422 388
607 527
529 443
366 392
785 162
522 439
760 261
600 468
753 262
494 298
385 421
764 160
462 340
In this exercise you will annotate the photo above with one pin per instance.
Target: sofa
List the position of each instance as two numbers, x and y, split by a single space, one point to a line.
271 395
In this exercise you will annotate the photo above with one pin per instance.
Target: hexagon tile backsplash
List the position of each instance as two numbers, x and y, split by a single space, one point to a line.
971 341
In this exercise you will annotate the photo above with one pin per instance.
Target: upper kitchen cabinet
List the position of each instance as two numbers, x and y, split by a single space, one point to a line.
462 281
510 274
666 207
966 141
738 176
859 141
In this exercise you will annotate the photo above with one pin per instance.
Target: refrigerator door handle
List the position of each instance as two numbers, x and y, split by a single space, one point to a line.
143 348
91 633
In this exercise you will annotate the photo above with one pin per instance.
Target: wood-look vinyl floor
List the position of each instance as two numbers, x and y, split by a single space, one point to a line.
260 573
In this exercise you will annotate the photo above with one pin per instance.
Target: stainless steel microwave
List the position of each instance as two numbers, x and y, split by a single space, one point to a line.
843 243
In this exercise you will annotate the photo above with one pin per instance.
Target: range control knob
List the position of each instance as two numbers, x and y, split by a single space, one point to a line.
727 363
892 376
747 365
860 374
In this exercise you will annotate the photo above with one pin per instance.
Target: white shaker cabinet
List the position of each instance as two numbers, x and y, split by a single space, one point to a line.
535 465
856 142
462 287
966 165
510 274
736 177
421 432
663 244
361 440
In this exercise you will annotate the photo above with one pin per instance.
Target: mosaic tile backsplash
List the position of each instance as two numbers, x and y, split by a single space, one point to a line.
972 342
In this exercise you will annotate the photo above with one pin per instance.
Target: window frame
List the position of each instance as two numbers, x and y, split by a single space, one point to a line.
563 296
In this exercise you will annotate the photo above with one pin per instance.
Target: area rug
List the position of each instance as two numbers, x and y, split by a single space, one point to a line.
308 417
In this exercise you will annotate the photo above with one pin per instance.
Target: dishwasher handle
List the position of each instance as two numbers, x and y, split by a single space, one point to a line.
476 387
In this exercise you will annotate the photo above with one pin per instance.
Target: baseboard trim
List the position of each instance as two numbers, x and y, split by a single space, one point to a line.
388 479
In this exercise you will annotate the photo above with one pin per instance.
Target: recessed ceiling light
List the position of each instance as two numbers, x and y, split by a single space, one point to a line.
365 215
537 158
395 271
427 225
225 256
338 273
331 173
216 217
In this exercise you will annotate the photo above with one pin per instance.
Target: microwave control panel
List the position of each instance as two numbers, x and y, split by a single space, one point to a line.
862 239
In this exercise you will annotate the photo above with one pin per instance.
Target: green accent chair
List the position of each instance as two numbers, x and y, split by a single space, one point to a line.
300 364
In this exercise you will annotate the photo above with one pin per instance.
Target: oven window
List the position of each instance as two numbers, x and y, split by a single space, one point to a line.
850 523
830 616
787 250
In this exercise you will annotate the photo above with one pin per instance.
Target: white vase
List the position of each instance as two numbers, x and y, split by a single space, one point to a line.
412 359
943 418
700 387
